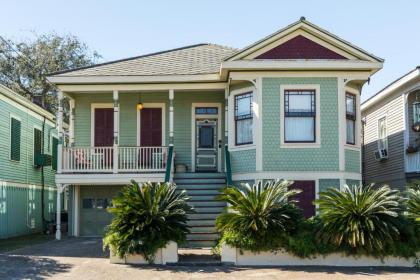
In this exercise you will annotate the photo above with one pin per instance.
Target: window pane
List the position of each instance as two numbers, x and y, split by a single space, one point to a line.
243 104
206 136
350 104
382 128
299 129
244 131
300 103
350 131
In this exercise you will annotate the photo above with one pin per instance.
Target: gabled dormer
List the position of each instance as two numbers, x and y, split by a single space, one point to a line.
302 46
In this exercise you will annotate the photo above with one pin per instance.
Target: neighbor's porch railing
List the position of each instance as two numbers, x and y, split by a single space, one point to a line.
114 159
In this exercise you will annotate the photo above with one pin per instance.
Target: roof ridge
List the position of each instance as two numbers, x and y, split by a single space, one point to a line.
129 58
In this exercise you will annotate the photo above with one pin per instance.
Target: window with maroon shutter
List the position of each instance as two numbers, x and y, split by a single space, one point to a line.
104 127
151 127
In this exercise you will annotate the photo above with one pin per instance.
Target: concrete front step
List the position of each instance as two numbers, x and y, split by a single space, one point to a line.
199 244
199 216
200 209
203 229
187 181
202 236
205 203
192 193
199 223
198 175
199 187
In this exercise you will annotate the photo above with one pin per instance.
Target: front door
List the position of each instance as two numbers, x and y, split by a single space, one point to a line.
104 127
206 145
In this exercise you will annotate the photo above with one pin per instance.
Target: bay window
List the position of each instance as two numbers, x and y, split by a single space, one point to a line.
350 118
299 116
243 119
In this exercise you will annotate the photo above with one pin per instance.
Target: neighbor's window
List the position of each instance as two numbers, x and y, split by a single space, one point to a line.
14 139
351 118
37 142
243 119
382 134
299 116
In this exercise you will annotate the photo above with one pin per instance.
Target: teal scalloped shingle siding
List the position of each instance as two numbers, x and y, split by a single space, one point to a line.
352 159
243 161
324 184
308 159
350 182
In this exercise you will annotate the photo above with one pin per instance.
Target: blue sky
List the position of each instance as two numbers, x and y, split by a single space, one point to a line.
119 29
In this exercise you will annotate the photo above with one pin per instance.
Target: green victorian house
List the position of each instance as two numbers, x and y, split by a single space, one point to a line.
207 115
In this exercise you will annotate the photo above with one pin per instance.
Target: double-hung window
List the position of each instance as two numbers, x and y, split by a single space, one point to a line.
243 119
299 116
37 142
350 118
382 134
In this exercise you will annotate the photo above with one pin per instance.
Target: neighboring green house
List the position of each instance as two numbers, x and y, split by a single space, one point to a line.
26 132
285 107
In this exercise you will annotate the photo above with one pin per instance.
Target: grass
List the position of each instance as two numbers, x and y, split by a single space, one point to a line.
14 243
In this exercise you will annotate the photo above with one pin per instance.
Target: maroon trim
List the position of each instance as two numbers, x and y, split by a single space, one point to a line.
300 47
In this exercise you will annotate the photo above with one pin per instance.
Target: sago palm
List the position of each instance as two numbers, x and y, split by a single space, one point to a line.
413 203
256 212
146 218
360 217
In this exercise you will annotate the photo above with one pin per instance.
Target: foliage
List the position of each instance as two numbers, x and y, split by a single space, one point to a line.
355 221
258 217
146 218
413 203
360 217
25 64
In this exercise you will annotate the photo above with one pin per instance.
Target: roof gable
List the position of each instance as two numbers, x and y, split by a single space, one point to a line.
304 35
300 47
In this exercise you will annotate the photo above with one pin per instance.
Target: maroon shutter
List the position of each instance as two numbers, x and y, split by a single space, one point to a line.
104 127
306 197
151 127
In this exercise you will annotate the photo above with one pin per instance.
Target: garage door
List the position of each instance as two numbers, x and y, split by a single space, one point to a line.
93 214
306 197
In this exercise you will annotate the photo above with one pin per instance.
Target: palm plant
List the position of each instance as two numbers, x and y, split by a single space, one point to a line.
146 218
413 203
257 214
360 217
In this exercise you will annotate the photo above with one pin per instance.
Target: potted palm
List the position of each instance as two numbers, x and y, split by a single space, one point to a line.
149 221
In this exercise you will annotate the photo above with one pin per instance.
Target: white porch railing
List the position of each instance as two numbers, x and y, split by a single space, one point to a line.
104 159
412 163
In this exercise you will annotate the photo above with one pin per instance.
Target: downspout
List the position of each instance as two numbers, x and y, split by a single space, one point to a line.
43 180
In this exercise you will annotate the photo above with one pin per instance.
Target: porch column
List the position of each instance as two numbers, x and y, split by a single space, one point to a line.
226 114
342 122
171 117
58 217
60 132
116 130
71 123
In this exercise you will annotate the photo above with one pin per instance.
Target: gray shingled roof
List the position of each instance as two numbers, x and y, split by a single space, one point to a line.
190 60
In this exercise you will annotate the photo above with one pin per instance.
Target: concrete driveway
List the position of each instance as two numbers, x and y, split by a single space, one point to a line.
83 258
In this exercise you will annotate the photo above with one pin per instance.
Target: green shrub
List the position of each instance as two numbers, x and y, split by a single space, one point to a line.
258 217
146 218
360 218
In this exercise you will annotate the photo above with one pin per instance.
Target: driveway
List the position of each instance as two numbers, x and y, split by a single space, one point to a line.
83 258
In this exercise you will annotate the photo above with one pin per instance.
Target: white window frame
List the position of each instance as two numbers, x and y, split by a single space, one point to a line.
231 116
94 106
152 105
358 123
13 116
386 131
316 88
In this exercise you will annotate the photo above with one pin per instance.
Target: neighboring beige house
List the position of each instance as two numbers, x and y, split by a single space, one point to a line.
391 130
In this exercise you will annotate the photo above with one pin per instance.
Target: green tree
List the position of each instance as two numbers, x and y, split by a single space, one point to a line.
24 65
